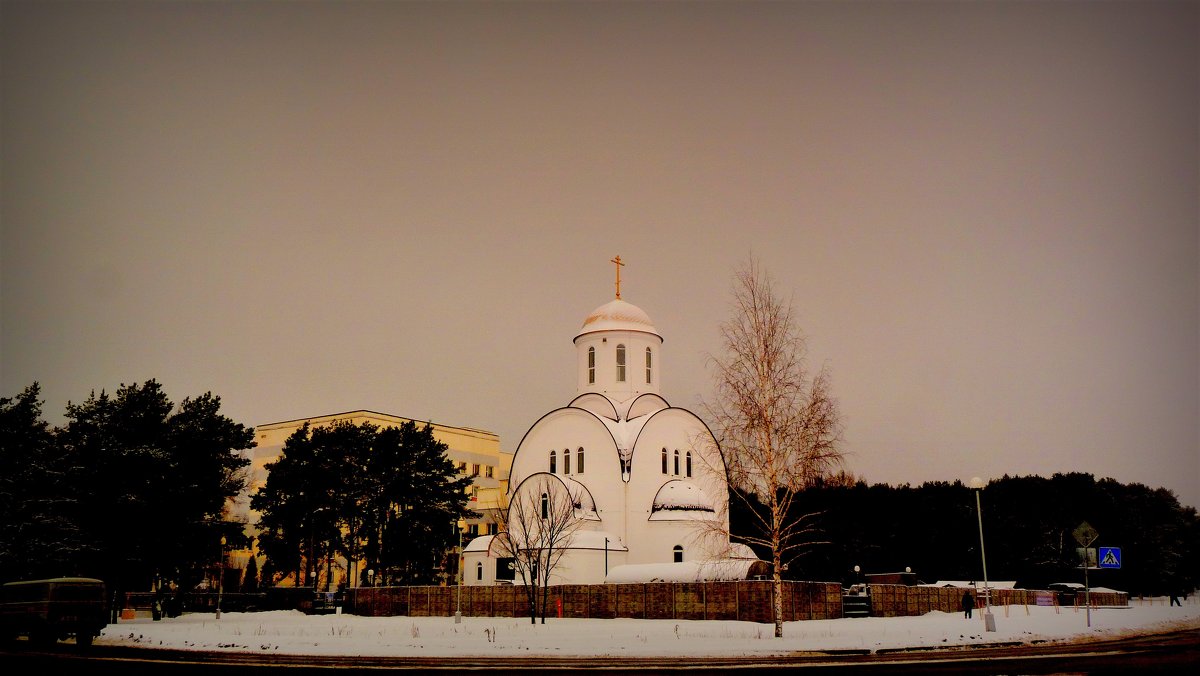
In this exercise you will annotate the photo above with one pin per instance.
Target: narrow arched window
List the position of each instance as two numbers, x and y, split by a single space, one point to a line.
479 571
553 462
664 461
678 552
676 472
566 461
579 460
545 506
649 365
591 365
620 363
689 464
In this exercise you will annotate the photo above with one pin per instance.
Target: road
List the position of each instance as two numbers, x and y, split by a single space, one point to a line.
1177 652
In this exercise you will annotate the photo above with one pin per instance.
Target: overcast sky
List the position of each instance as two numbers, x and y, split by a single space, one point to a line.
985 214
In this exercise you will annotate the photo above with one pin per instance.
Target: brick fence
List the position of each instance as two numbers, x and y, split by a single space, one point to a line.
746 600
899 601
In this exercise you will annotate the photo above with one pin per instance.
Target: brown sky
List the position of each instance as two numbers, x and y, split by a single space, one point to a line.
986 213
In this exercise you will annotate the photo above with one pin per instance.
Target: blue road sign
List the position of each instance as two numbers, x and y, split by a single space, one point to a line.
1110 557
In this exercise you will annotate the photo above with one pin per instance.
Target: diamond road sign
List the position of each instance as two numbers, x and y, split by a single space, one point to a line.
1085 535
1110 557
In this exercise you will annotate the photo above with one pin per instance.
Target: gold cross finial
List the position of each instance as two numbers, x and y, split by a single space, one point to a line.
617 260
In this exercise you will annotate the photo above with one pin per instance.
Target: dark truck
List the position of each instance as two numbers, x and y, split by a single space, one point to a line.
53 609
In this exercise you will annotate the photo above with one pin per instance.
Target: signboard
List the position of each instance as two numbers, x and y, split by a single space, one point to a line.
1086 556
1085 535
1110 557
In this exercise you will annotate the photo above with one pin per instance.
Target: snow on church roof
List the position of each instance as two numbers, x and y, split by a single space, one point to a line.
617 315
678 496
581 497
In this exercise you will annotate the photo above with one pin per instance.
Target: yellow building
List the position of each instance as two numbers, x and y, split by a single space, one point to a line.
474 452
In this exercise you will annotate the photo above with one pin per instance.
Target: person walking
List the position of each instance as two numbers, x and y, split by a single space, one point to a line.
968 604
1175 599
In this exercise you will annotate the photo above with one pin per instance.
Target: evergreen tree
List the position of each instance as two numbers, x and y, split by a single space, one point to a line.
250 580
153 483
387 497
38 536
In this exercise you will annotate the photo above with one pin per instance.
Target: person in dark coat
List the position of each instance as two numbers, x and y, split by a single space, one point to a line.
968 604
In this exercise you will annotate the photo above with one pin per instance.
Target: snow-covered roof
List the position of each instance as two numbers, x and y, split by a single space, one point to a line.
741 550
479 544
680 499
992 584
595 539
581 497
688 571
617 315
580 539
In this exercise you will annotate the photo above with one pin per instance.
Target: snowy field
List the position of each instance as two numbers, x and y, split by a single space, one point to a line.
292 632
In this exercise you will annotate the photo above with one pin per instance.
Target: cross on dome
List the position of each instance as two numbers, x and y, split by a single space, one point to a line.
620 265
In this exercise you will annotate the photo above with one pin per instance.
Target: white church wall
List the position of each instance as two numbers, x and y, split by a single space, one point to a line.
574 429
605 343
674 429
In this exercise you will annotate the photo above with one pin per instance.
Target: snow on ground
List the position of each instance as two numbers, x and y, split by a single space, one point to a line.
292 632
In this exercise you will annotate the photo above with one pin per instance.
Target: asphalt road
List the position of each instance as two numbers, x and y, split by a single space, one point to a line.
1177 652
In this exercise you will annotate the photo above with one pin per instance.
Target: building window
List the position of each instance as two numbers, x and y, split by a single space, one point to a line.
475 470
591 365
676 472
545 506
462 466
474 492
649 365
553 462
689 464
473 529
620 363
678 552
492 529
566 461
488 471
664 461
479 571
579 461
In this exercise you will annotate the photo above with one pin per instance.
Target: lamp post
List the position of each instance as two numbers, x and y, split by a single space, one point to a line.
371 577
989 620
458 611
221 578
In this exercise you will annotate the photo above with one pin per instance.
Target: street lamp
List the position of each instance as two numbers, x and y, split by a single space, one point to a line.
989 620
221 578
458 611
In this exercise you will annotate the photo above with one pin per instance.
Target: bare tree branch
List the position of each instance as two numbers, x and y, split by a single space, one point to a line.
777 424
535 528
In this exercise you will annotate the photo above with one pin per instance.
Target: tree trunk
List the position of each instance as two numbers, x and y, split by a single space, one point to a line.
777 595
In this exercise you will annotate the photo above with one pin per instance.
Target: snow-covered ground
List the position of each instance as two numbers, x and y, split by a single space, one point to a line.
291 632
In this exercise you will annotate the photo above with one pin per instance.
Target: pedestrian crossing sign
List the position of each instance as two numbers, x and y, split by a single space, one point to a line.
1110 557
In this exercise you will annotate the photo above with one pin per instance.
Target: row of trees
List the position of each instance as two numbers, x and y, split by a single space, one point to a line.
386 499
779 431
132 489
1027 522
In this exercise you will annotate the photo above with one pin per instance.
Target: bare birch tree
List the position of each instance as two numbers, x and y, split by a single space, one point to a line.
777 425
535 527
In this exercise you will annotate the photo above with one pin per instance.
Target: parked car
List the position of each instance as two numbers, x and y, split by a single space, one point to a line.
1066 592
52 609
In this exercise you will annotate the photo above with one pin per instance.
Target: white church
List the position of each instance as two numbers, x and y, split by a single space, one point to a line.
644 480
